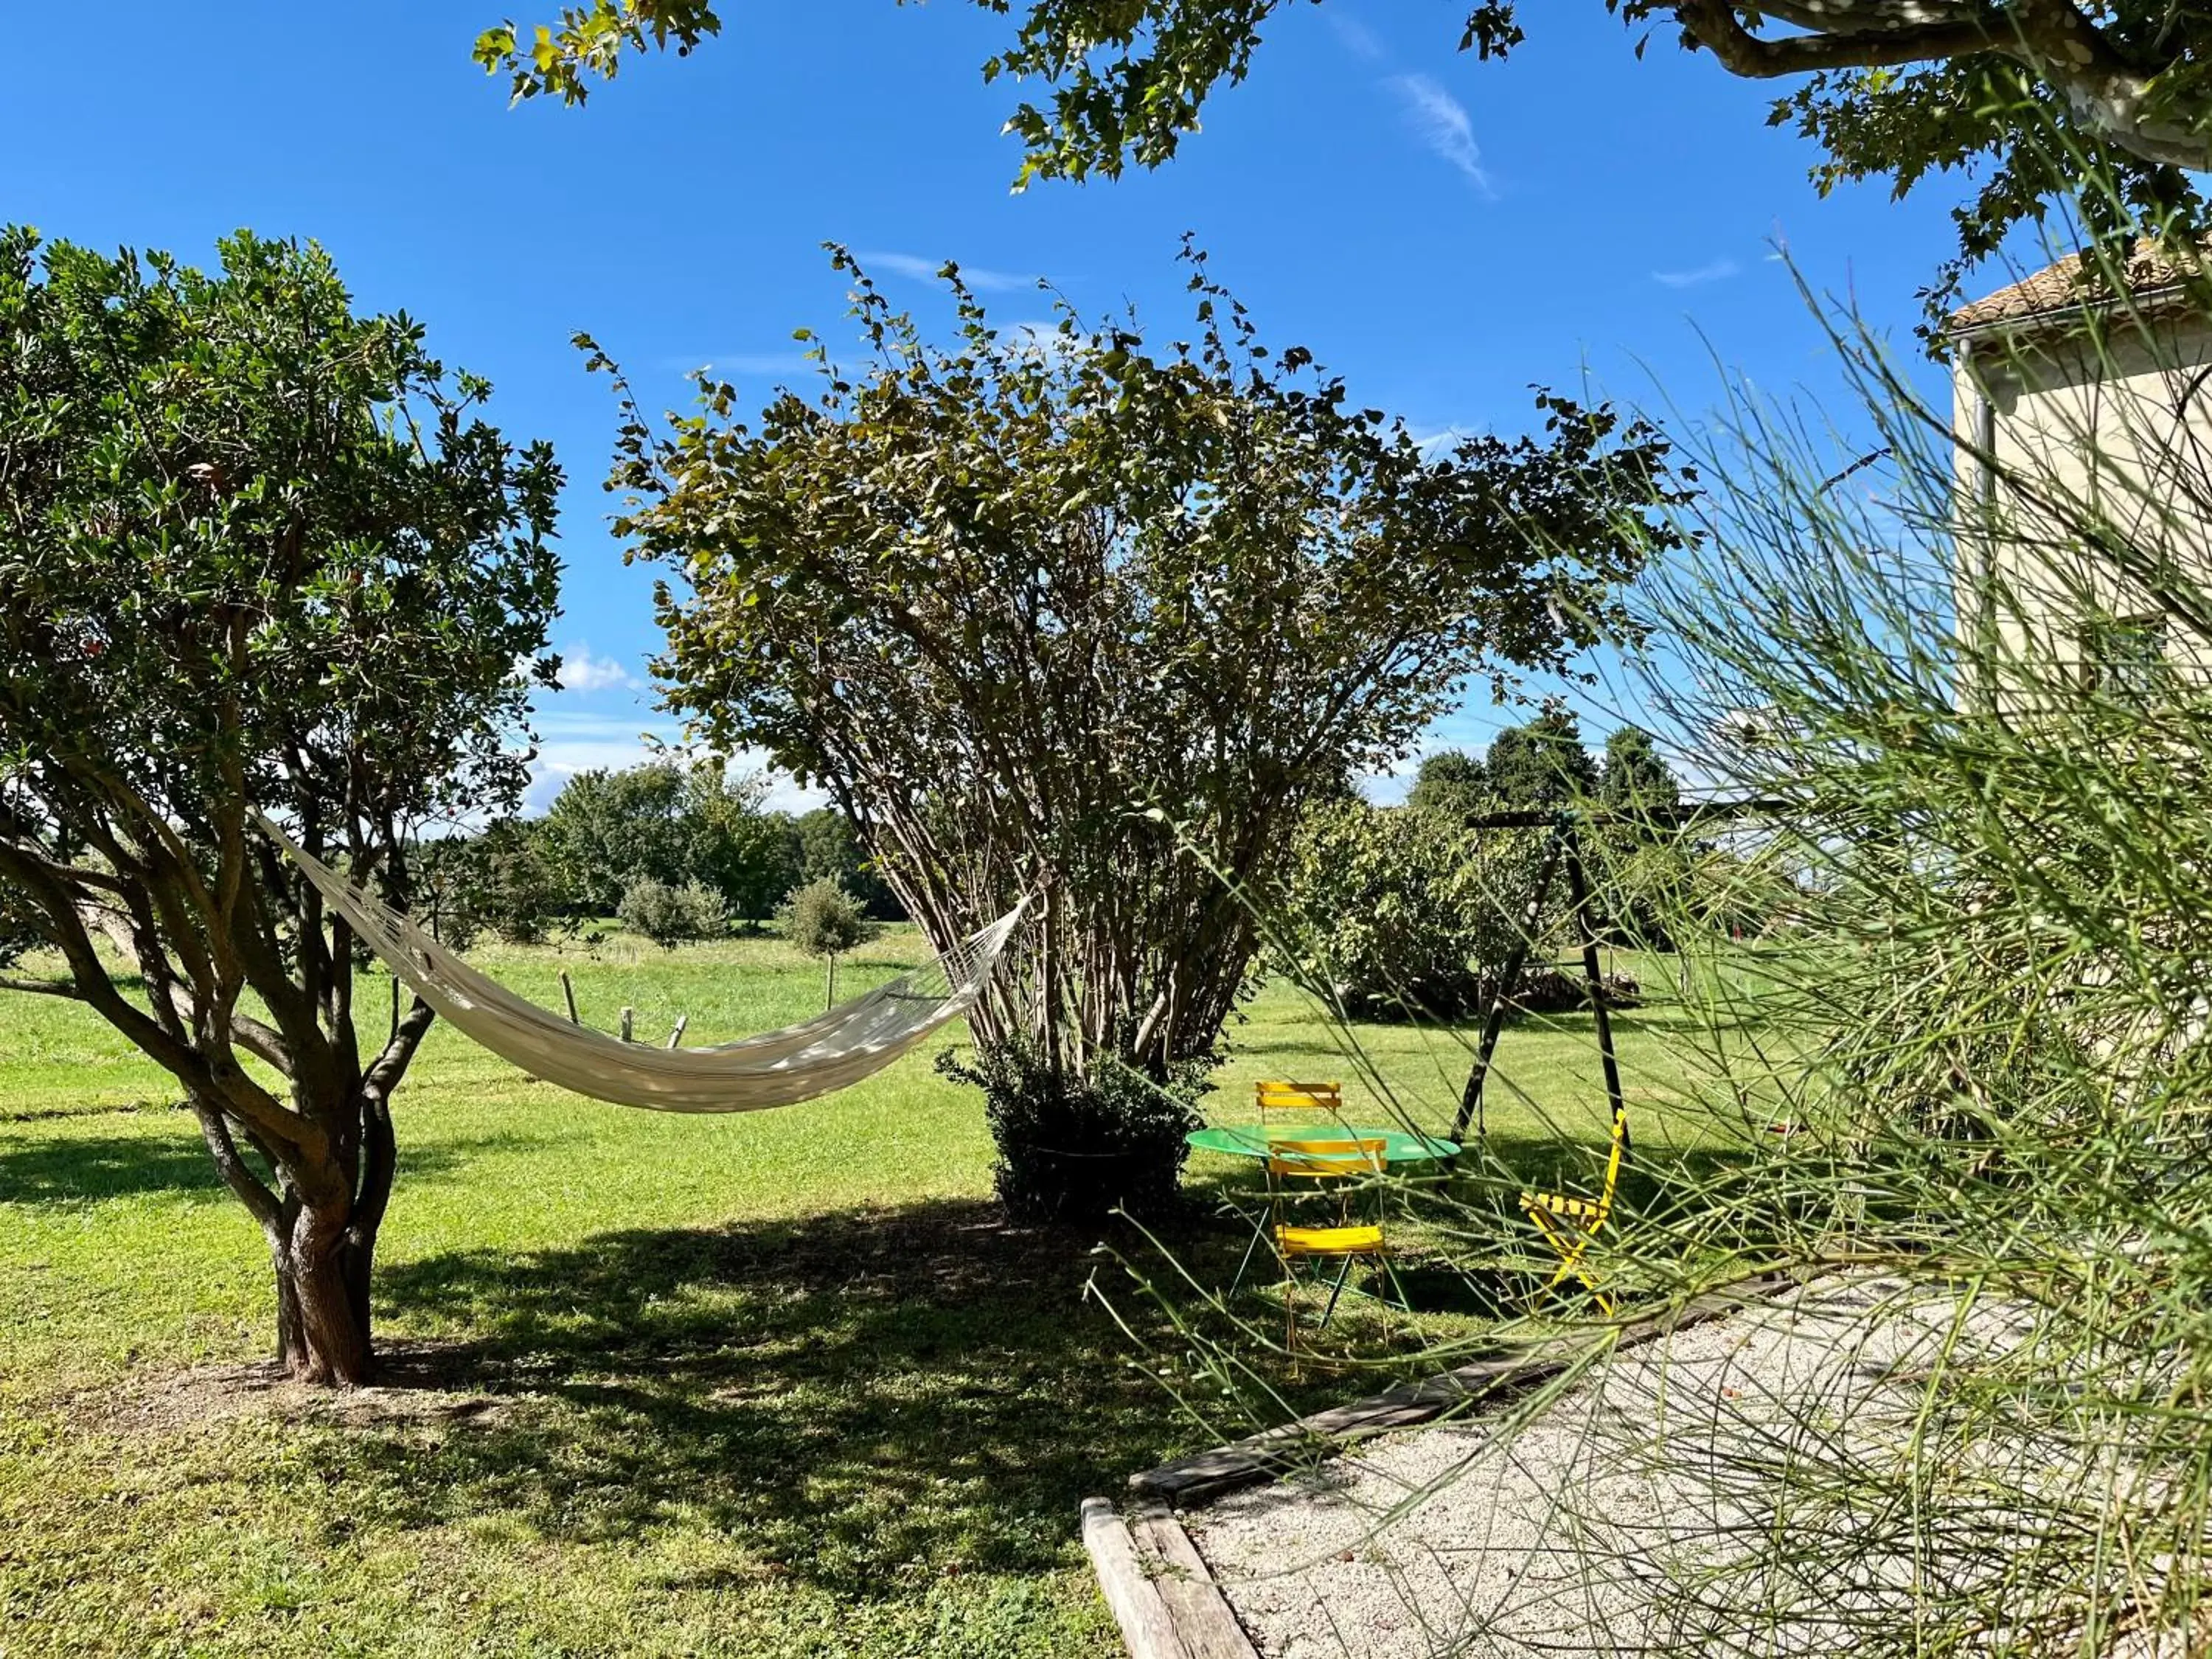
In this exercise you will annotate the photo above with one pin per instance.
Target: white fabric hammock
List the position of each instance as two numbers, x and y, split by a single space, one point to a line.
850 1041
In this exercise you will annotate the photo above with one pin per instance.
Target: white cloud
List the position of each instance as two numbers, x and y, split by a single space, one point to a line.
582 671
1432 445
571 741
918 268
1716 270
742 362
1356 38
1441 121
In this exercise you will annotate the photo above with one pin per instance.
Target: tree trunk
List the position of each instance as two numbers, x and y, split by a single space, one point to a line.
322 1300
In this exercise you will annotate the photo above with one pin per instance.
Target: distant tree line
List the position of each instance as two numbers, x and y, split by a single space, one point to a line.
678 850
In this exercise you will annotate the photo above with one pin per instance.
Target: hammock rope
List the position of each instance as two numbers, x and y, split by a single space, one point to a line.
831 1051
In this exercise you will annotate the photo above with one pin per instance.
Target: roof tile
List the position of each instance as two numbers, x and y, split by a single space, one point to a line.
2158 278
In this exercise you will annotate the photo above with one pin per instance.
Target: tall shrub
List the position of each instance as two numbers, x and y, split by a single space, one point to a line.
1095 621
822 920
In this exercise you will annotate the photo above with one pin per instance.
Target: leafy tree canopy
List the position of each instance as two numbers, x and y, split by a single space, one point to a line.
1453 783
1046 618
672 821
1636 774
1540 764
501 878
2025 97
257 552
1405 909
822 920
827 847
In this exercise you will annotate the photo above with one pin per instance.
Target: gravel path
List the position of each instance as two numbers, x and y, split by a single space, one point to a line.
1550 1534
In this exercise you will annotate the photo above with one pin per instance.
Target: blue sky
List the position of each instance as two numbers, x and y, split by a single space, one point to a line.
1444 232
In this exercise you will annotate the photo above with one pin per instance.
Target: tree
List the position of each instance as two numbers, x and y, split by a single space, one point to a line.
499 879
2030 97
258 554
733 846
670 915
607 829
828 848
1402 909
1541 764
1637 776
1096 624
1451 783
822 920
670 822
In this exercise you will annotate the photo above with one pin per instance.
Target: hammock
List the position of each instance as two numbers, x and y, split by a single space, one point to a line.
850 1041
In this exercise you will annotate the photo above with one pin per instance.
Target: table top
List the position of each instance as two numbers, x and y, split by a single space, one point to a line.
1250 1140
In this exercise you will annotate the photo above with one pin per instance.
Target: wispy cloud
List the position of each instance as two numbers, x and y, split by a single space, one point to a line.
1441 123
742 362
1433 444
1044 339
582 671
573 741
1356 38
1716 270
916 268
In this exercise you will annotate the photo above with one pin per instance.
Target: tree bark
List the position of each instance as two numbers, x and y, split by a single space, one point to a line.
323 1334
323 1251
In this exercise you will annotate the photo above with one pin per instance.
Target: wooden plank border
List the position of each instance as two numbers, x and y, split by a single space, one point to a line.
1203 1618
1139 1608
1297 1445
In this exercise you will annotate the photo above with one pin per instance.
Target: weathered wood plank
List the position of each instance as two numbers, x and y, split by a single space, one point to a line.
1201 1614
1138 1606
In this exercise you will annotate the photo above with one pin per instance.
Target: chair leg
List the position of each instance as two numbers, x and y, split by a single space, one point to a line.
1342 1273
1238 1282
1390 1274
1571 1258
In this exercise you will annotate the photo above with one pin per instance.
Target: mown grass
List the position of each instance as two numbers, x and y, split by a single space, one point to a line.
782 1384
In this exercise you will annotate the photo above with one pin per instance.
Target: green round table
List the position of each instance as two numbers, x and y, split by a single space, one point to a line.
1250 1140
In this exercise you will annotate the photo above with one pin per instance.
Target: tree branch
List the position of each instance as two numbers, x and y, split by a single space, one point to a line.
1715 26
392 1065
70 991
248 1187
2105 90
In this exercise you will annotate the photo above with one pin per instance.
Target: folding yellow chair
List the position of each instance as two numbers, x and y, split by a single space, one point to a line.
1285 1108
1285 1105
1333 1167
1571 1225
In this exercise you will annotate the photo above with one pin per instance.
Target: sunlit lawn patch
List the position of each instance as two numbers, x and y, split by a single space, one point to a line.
771 1383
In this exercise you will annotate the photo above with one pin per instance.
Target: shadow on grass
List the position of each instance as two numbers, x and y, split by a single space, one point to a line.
91 1167
88 1168
867 1402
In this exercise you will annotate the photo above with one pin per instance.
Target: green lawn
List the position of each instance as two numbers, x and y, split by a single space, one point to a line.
766 1384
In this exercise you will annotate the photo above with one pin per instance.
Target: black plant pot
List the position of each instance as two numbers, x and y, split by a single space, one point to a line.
1056 1183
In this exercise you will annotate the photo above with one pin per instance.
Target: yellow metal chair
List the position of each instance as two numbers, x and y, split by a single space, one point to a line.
1285 1108
1571 1225
1333 1168
1290 1105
